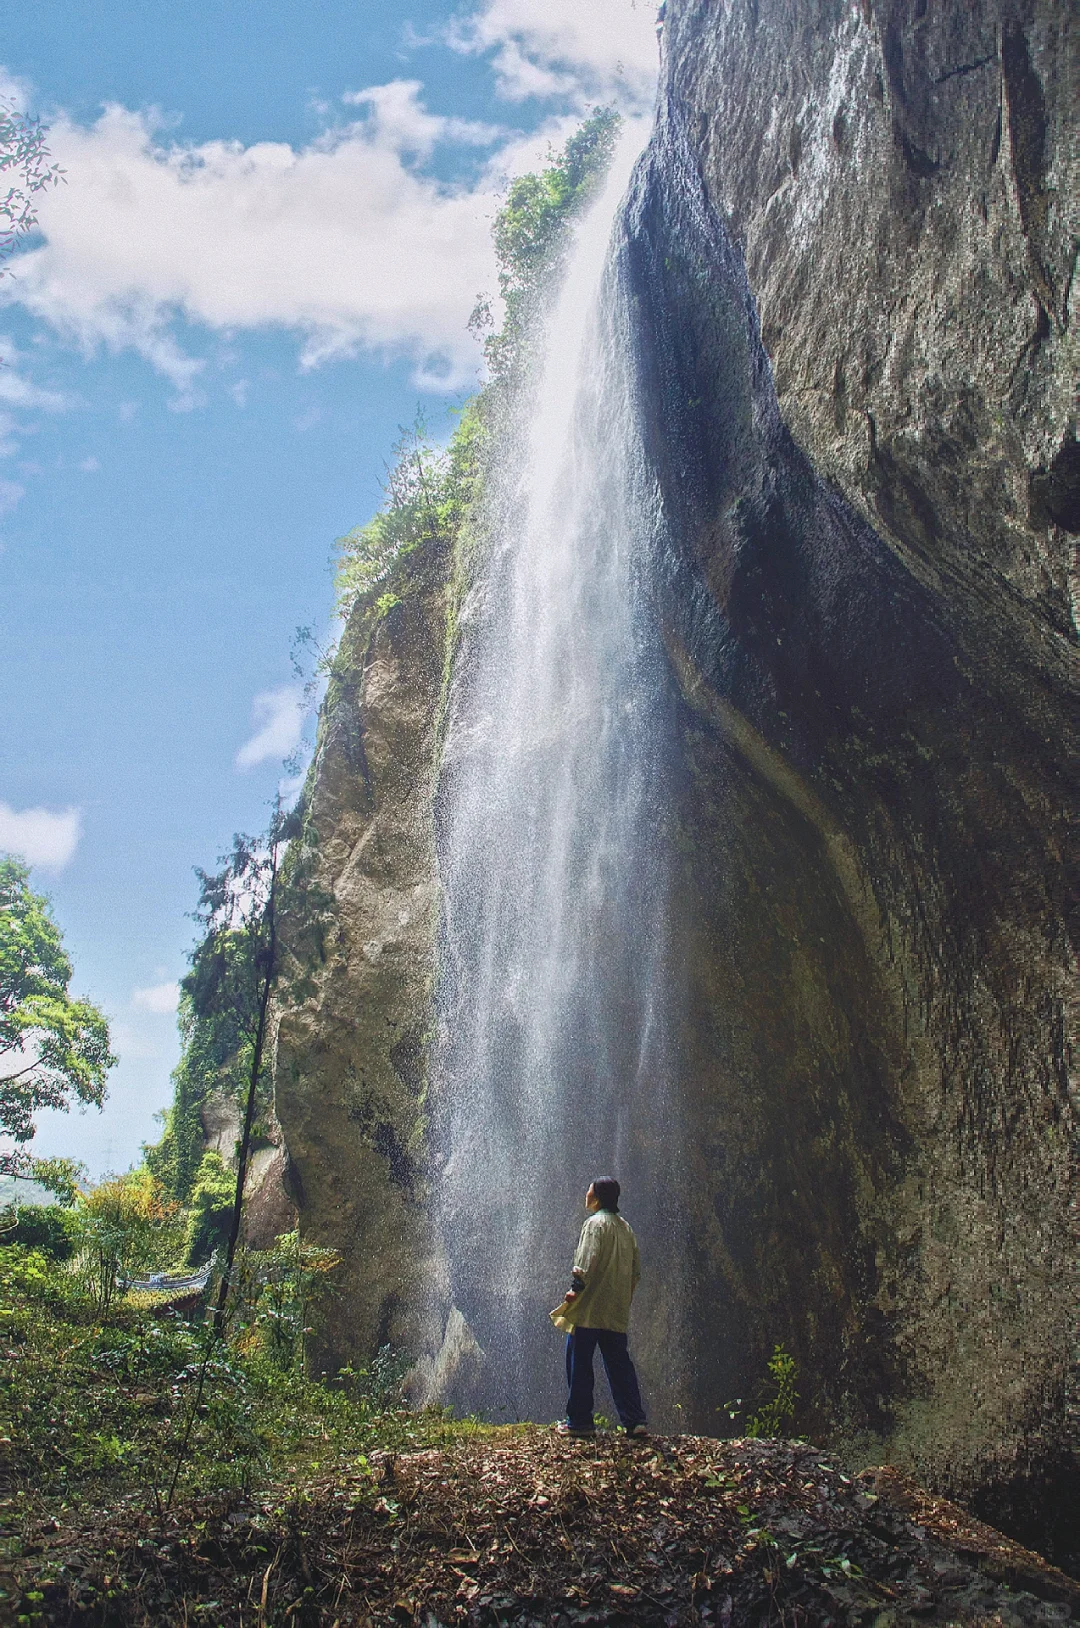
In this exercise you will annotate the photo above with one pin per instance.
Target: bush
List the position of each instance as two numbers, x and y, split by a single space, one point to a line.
531 236
428 490
48 1227
278 1292
106 1408
125 1227
31 1275
776 1409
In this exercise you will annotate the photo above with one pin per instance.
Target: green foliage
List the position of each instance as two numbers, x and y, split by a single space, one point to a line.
50 1228
779 1408
63 1177
25 172
29 1275
125 1227
217 1019
53 1049
210 1208
214 1053
428 490
278 1291
531 234
96 1406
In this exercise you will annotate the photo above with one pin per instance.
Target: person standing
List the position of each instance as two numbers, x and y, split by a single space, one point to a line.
596 1312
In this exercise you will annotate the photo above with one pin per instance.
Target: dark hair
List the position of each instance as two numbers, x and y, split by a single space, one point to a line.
607 1192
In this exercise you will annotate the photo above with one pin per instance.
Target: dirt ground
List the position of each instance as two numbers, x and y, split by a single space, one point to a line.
524 1527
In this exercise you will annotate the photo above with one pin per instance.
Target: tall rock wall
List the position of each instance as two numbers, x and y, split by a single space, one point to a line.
358 921
847 257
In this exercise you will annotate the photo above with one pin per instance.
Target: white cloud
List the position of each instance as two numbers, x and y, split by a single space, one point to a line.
581 50
402 121
278 716
347 241
17 391
89 466
39 835
157 998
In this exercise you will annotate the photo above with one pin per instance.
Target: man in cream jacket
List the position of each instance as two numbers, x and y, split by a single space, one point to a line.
596 1312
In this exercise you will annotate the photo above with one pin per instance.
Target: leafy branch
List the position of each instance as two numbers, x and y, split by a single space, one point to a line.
24 161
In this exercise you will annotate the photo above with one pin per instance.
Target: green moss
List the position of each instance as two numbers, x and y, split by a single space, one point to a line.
213 1194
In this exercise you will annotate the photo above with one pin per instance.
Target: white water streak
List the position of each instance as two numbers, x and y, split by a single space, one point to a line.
550 1060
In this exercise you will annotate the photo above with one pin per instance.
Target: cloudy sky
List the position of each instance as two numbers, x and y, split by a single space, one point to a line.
273 226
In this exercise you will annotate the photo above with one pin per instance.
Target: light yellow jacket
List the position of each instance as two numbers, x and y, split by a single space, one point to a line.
609 1264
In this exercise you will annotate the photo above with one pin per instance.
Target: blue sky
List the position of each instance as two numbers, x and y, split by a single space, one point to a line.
273 228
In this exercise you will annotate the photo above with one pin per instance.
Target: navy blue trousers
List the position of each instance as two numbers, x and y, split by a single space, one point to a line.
580 1346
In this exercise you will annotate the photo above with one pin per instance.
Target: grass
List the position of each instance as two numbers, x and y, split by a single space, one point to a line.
93 1410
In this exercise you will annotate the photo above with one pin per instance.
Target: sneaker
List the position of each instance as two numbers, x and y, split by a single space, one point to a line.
565 1428
637 1431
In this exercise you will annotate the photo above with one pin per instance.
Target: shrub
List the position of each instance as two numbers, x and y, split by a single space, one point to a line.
779 1408
427 491
278 1291
125 1226
49 1228
531 235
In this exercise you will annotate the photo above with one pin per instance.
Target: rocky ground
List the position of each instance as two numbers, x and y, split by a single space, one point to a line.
521 1526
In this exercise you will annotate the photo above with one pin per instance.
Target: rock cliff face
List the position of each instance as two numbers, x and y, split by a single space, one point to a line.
848 270
863 572
358 918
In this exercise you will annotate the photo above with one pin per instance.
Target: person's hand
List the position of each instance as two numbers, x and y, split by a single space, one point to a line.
571 1294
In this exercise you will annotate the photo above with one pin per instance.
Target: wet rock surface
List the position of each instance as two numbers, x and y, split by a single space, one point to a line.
524 1528
902 181
846 269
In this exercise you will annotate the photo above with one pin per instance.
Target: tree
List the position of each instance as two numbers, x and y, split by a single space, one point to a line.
25 171
53 1049
427 490
233 971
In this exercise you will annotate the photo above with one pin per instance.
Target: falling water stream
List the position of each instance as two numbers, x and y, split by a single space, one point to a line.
551 1064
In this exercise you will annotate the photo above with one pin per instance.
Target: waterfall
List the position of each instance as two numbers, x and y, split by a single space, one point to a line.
551 1060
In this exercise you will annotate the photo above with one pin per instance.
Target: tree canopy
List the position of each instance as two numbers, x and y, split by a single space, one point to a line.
53 1049
220 1001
